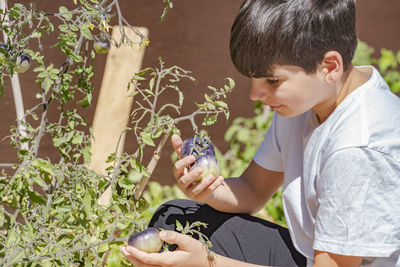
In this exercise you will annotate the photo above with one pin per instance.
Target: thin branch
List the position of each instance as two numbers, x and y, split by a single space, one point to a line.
16 87
152 164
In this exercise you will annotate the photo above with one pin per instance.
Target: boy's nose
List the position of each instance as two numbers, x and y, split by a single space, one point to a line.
258 90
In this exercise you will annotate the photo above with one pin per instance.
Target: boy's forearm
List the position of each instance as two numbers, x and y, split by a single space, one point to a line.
235 195
221 261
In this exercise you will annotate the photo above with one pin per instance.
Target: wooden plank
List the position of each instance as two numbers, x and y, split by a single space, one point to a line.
114 106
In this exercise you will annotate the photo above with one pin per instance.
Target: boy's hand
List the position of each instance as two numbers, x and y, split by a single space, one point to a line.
190 252
199 191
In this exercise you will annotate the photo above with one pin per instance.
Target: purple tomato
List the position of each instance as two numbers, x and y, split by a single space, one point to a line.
204 152
101 47
22 63
147 240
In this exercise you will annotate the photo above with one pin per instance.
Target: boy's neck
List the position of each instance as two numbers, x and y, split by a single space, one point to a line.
350 81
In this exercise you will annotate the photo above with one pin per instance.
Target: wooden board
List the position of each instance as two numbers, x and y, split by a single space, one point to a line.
114 106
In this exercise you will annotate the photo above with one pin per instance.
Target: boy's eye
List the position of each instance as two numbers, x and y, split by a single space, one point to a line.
273 82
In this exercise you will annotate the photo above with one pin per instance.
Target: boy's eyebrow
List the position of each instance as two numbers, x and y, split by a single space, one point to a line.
270 76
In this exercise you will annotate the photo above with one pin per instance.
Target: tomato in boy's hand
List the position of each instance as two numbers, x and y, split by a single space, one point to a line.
147 240
204 152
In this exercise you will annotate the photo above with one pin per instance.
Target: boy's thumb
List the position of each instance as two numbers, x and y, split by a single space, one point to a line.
176 238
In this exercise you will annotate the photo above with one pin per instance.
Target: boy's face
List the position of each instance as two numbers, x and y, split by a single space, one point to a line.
290 91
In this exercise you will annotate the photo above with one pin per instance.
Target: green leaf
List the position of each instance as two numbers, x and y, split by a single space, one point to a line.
58 141
77 139
2 216
149 92
138 78
165 10
179 226
11 237
38 180
134 176
36 197
44 166
86 101
126 182
221 104
65 13
104 248
87 204
144 71
139 167
146 137
151 83
180 98
85 31
63 28
124 168
47 84
86 154
212 88
231 83
208 120
226 112
207 97
115 258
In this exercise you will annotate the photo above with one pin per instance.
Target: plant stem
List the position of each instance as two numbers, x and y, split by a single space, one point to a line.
16 87
151 166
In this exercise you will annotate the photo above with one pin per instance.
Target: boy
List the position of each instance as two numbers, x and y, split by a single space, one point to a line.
334 145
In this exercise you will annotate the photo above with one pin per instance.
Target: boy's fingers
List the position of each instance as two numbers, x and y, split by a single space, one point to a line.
176 141
203 185
184 242
180 165
146 259
186 180
203 195
128 255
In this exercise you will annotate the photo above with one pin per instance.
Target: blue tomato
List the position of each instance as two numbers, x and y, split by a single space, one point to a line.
22 63
147 240
101 47
204 152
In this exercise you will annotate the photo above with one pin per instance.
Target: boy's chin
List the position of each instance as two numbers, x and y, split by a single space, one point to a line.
289 114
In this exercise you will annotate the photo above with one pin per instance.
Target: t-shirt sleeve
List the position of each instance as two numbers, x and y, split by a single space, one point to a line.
268 154
358 194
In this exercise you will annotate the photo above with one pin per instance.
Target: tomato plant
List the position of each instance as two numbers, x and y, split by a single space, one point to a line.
49 212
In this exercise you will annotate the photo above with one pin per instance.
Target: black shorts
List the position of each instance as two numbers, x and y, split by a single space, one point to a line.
238 236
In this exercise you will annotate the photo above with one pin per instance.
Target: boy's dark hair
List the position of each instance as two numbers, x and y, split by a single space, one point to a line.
291 32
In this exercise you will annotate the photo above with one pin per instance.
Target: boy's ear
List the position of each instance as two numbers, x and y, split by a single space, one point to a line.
332 67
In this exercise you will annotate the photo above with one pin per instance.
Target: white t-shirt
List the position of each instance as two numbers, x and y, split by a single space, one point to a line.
341 190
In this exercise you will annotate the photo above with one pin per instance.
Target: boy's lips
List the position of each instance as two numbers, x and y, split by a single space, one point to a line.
274 107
